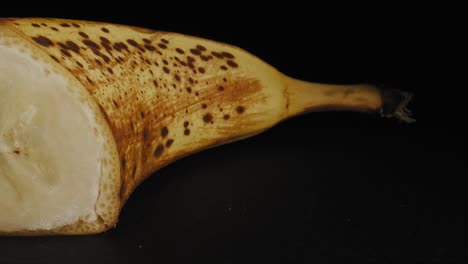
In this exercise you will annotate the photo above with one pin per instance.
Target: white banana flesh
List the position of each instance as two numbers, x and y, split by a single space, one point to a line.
49 154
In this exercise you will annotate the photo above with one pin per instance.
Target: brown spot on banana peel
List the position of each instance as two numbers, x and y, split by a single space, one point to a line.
169 143
84 35
120 46
164 132
41 40
232 64
208 118
149 47
240 109
159 151
72 46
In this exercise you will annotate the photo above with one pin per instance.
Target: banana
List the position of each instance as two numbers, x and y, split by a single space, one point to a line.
88 110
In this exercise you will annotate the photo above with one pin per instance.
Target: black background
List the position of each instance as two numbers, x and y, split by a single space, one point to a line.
319 188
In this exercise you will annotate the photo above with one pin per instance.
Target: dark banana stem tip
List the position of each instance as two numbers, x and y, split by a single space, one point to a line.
395 104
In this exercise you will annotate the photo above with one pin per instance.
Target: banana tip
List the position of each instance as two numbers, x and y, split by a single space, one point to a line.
395 104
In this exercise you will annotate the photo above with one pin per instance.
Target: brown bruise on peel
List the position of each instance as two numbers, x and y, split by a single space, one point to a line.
65 52
164 132
169 143
240 109
91 44
232 64
120 46
195 51
135 44
159 151
217 54
41 40
149 47
72 46
105 43
227 55
208 118
84 35
200 47
114 67
54 58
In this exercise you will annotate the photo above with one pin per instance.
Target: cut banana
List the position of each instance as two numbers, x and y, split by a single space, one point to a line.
89 110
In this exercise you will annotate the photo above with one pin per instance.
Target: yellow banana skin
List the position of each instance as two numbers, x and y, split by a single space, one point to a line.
166 95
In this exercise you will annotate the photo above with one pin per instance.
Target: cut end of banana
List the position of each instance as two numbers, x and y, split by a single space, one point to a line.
50 149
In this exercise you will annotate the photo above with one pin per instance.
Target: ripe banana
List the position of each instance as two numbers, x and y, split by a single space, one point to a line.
89 110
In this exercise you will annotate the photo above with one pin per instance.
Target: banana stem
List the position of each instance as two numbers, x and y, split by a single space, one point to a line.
304 97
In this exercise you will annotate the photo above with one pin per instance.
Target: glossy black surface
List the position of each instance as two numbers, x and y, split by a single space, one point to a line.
319 188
